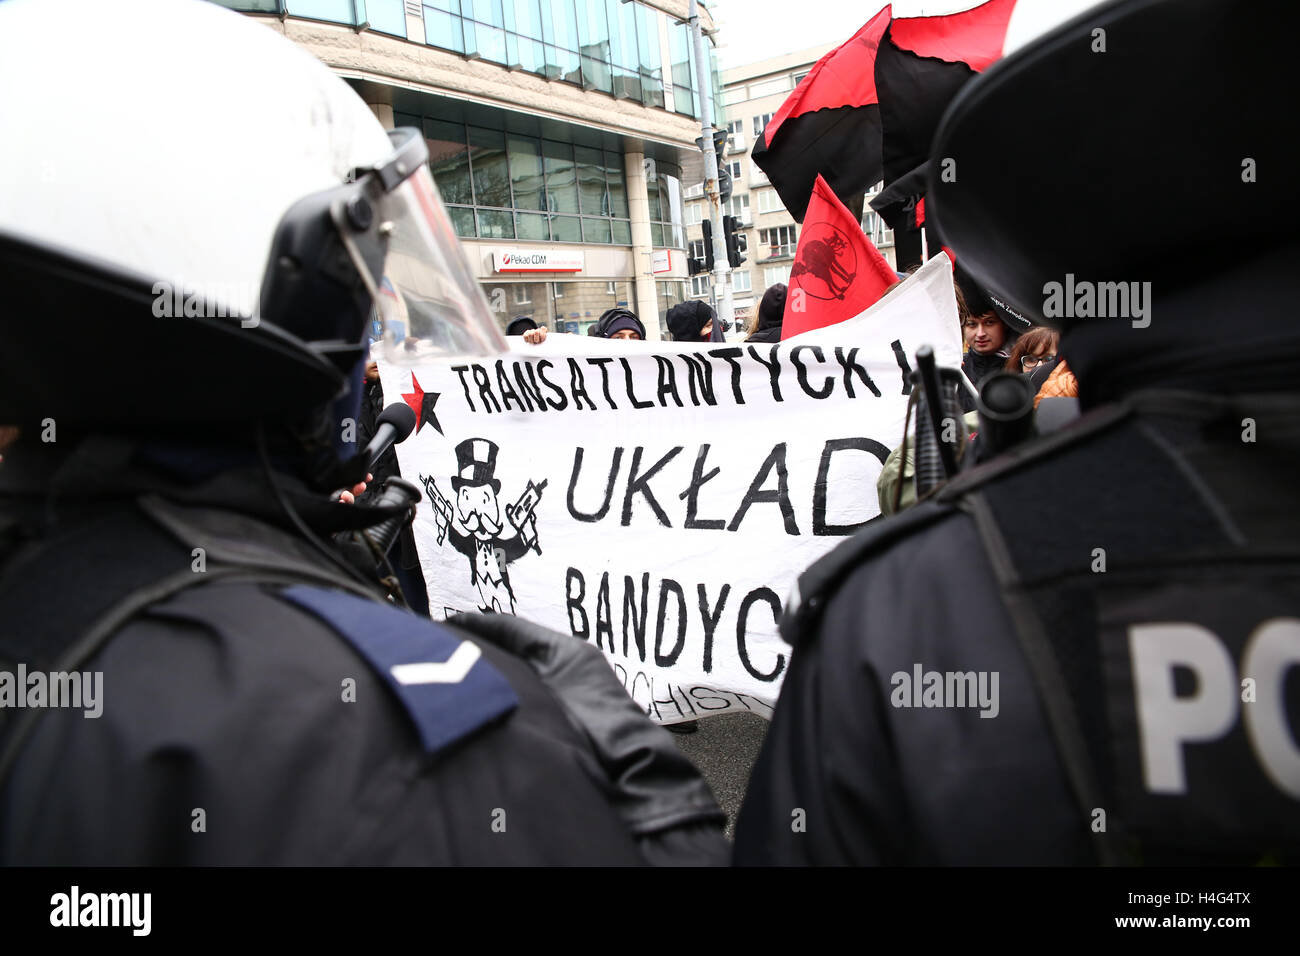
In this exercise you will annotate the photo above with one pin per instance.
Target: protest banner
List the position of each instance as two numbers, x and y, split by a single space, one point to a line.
659 499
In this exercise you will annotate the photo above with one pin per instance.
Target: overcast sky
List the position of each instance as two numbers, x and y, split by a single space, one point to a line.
758 29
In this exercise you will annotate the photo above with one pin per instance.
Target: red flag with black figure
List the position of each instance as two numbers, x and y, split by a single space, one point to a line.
830 125
921 64
837 272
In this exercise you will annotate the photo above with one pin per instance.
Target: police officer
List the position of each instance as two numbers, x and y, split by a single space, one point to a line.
1084 651
188 673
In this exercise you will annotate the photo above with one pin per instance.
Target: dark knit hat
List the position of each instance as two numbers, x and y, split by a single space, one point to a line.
686 319
616 320
520 324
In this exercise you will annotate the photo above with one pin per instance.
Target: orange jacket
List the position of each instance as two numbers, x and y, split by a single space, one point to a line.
1060 384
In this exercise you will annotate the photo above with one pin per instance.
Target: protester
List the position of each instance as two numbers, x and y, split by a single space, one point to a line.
1034 348
1053 661
520 324
771 310
691 321
618 323
988 341
1060 384
258 702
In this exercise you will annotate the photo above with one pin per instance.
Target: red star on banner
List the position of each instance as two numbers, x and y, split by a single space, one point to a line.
422 403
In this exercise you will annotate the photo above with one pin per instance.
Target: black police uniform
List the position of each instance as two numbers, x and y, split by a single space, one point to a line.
261 707
1132 581
1000 576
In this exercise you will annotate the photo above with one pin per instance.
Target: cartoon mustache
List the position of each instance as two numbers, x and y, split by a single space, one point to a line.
476 521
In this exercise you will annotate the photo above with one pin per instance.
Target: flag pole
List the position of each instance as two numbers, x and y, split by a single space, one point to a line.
721 266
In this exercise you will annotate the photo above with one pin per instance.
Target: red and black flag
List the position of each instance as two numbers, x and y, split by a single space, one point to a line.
829 126
921 64
837 272
869 109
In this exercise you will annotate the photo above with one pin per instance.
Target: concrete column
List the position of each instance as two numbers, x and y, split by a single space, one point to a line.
384 113
638 207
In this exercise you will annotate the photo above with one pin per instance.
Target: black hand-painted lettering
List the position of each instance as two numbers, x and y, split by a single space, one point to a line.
780 495
828 385
822 488
692 494
850 366
711 619
773 367
641 485
609 486
601 362
729 355
742 619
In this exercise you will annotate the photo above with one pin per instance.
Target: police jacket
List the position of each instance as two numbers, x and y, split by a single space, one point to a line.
255 705
1078 653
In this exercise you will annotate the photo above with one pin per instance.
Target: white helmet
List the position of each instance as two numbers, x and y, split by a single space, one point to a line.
191 201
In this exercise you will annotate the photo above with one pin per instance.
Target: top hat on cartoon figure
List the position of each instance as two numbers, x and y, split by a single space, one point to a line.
476 464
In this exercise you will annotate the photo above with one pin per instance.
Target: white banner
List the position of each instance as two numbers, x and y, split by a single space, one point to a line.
659 499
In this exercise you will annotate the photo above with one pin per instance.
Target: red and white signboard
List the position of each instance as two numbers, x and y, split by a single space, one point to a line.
661 261
535 260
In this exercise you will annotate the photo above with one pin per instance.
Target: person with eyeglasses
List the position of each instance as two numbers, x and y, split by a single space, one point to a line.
1033 350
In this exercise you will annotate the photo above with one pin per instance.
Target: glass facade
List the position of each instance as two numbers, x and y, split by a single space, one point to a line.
504 185
384 16
560 306
612 46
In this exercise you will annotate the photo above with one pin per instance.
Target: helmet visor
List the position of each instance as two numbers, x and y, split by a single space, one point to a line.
426 301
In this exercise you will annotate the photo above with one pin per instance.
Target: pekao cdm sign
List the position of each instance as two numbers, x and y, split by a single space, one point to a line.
532 260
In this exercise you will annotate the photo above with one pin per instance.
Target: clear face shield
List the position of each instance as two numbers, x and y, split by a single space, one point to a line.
426 302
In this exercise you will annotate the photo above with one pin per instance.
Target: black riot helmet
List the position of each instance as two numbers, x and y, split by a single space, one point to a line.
1125 178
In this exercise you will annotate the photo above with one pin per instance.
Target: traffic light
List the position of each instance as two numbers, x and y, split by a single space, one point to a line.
724 174
707 226
736 241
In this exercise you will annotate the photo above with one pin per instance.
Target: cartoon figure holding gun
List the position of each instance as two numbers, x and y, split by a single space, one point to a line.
474 523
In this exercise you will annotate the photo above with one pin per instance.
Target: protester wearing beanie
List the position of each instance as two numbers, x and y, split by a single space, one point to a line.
520 324
770 313
618 323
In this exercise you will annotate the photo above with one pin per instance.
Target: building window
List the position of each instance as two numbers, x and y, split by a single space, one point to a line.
695 249
876 230
774 274
522 294
769 87
734 167
740 280
759 123
736 132
499 185
694 214
603 45
667 216
700 286
693 192
738 206
799 78
769 201
780 241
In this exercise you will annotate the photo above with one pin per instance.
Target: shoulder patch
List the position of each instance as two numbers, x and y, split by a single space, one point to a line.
444 683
